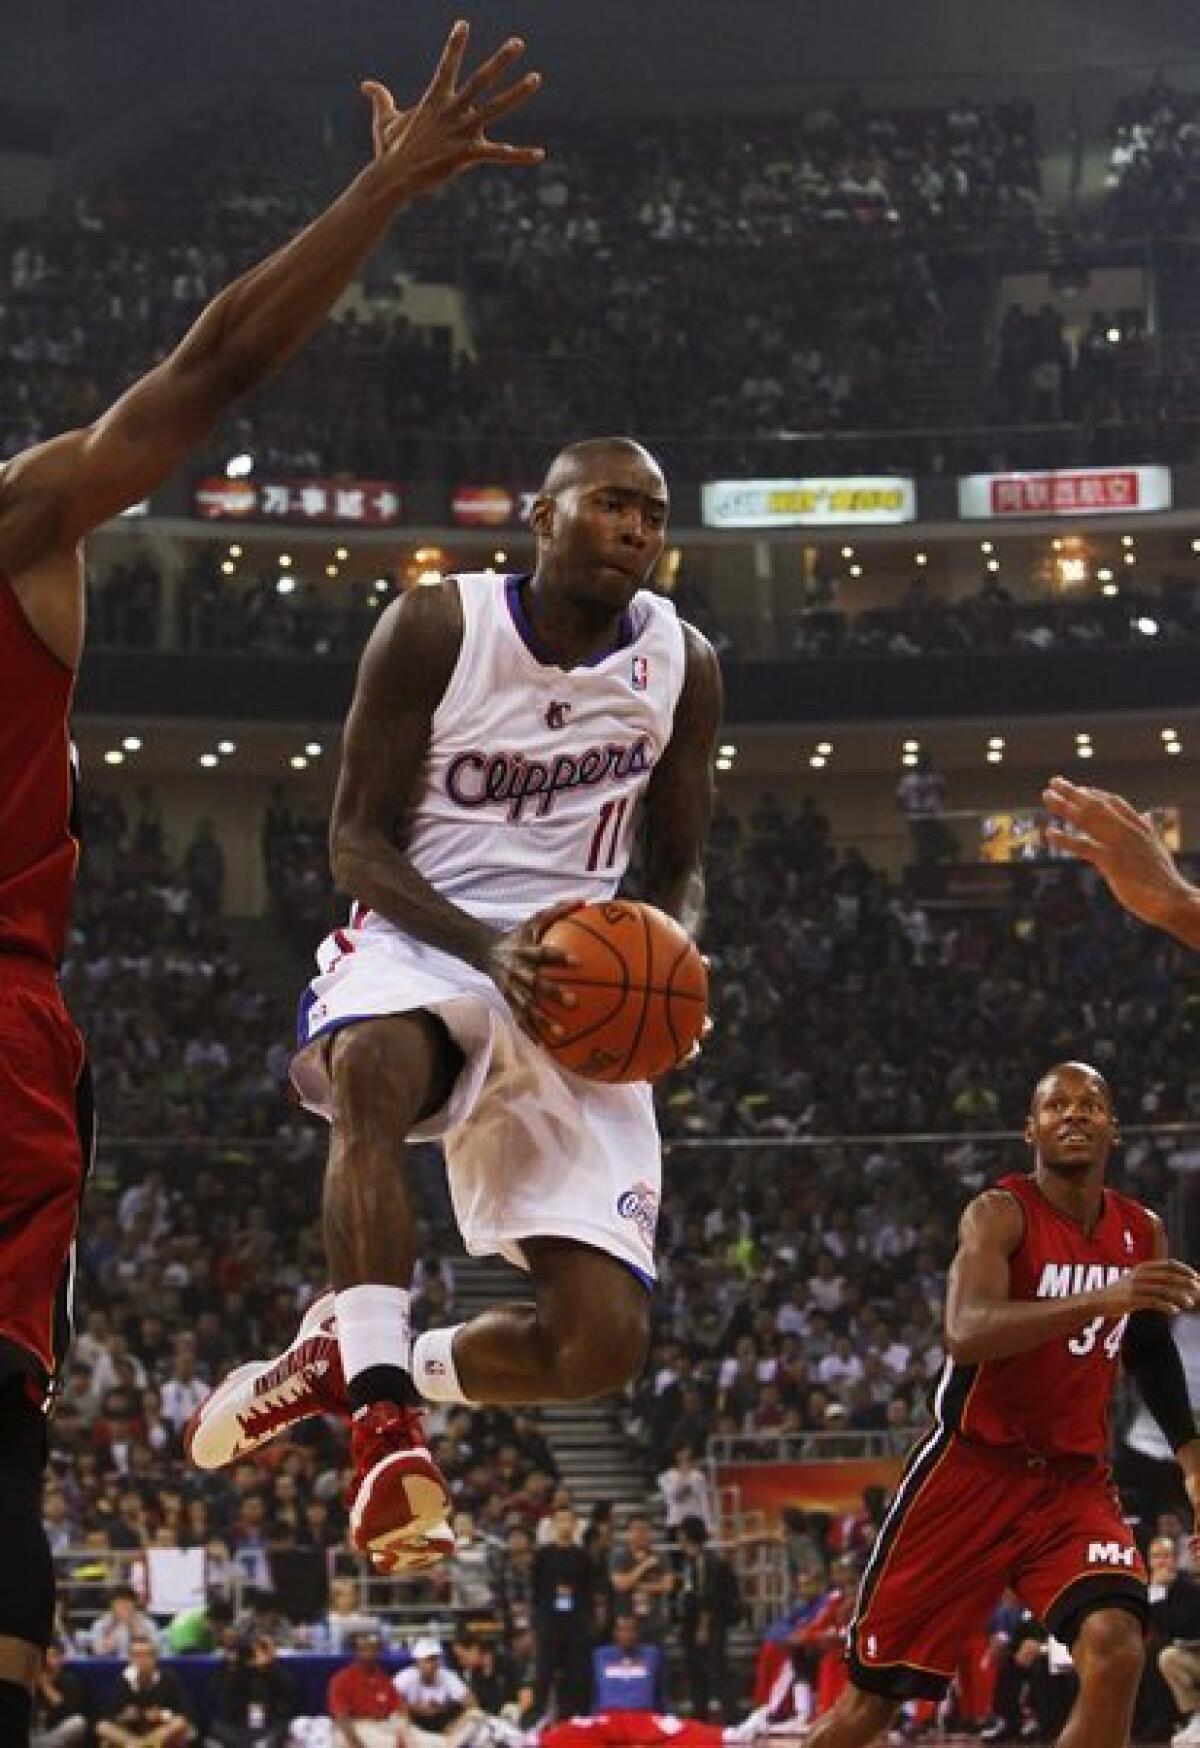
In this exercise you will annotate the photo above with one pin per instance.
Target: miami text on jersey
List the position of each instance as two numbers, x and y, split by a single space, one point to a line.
1063 1280
513 781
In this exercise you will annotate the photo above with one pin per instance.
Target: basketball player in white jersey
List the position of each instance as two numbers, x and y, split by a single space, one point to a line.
503 732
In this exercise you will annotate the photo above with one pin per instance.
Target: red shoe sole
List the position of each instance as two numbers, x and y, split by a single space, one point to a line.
400 1500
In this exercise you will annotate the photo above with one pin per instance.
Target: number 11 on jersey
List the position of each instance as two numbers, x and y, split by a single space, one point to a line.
606 838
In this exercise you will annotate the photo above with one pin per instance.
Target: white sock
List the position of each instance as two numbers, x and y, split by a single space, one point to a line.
373 1329
433 1369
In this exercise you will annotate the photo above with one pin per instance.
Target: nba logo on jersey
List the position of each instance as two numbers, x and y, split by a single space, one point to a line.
641 673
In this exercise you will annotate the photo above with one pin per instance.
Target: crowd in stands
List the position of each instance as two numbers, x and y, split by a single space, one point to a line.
1154 161
583 282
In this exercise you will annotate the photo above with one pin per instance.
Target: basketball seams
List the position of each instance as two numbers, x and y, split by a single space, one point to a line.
669 996
648 960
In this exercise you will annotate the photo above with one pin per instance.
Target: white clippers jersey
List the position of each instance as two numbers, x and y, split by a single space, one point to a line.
534 772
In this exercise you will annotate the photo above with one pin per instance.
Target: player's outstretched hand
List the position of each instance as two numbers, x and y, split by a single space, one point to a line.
521 967
445 131
1162 1285
1121 843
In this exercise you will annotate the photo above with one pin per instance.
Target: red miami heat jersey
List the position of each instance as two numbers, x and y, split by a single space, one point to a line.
38 845
1053 1400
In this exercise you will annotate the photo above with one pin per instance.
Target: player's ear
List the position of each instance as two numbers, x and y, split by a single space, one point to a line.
541 516
1029 1136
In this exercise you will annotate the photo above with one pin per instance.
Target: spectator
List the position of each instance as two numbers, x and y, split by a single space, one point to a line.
122 1623
1175 1641
709 1607
362 1699
254 1701
347 1622
561 1597
628 1676
148 1706
642 1580
921 797
436 1705
60 1707
686 1491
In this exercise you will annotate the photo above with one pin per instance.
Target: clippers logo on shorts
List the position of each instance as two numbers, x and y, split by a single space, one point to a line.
512 781
433 1368
640 1204
640 678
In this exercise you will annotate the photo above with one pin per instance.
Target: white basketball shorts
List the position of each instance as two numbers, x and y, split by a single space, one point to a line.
531 1149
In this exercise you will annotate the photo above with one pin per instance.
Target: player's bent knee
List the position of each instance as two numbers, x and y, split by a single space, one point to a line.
1111 1647
599 1359
381 1066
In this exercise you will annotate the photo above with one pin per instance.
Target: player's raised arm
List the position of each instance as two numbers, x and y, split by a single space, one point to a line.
1126 849
984 1323
679 800
54 494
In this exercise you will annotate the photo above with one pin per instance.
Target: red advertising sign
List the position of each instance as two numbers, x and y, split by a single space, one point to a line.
474 506
1095 491
836 1487
363 503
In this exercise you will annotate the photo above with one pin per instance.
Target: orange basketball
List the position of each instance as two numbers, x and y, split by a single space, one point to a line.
641 992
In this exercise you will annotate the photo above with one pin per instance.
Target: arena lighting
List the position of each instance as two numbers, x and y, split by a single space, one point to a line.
132 743
847 552
1127 540
298 762
209 761
1082 734
342 554
993 564
314 749
235 552
238 466
114 756
908 759
911 746
1147 626
724 765
1196 545
1172 747
995 756
985 546
331 570
1084 751
1131 558
285 585
1170 734
1057 545
426 579
856 570
1104 574
996 744
922 558
228 567
818 761
285 561
825 748
1110 589
728 751
381 585
499 558
226 747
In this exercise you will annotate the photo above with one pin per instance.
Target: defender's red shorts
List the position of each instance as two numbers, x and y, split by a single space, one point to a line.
46 1133
969 1522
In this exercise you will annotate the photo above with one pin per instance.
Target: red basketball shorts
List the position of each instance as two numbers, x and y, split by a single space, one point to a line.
968 1523
46 1132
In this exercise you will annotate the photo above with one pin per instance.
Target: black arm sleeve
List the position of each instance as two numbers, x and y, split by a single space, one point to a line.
1151 1357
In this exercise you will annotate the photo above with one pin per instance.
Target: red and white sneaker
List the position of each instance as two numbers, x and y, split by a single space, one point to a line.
399 1500
257 1402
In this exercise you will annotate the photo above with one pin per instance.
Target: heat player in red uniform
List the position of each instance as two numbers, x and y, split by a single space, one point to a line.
1056 1281
50 498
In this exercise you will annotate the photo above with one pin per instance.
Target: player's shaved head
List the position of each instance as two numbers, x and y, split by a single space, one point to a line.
582 462
1074 1070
